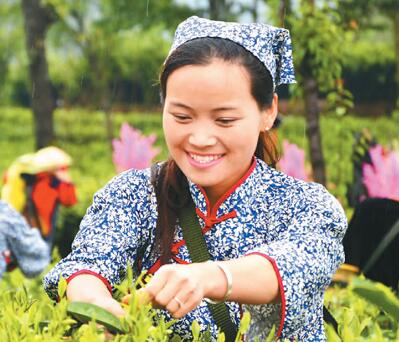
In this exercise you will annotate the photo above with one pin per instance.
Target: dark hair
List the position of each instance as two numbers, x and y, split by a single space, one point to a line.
171 187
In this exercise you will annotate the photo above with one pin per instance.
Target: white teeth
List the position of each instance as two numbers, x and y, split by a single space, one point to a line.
204 159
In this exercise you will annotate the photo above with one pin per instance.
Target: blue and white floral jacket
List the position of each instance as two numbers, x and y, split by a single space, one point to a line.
24 244
297 226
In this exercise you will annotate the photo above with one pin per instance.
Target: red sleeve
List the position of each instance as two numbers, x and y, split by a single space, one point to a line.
67 194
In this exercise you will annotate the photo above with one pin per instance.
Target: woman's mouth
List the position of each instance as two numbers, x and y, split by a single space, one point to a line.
204 160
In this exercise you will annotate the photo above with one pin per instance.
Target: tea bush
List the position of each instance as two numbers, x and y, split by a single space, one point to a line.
24 305
27 314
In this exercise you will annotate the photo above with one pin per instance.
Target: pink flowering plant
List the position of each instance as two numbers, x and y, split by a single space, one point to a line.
381 177
133 150
292 162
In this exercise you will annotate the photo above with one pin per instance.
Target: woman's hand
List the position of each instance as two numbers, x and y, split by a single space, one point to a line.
181 288
88 288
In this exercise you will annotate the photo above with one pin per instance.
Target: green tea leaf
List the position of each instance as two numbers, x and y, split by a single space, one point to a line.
86 312
378 294
195 328
62 286
245 320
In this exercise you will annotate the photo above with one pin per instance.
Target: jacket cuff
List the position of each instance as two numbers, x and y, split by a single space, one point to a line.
280 286
99 276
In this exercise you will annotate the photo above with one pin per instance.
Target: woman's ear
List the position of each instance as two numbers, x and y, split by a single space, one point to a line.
270 114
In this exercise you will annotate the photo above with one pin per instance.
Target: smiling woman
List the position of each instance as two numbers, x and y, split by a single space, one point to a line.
272 242
213 141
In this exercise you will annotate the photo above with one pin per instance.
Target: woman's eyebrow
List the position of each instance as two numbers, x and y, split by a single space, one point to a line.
224 108
213 110
179 104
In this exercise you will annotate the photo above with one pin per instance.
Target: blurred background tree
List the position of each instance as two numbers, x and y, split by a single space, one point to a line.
95 27
38 18
105 55
318 56
98 31
372 15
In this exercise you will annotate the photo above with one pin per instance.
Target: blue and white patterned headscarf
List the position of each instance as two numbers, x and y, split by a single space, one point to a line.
271 45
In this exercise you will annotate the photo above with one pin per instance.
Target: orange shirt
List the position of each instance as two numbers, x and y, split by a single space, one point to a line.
47 192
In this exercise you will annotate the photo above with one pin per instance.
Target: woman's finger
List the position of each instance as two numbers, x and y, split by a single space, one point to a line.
157 282
178 302
143 297
169 291
176 288
189 301
165 284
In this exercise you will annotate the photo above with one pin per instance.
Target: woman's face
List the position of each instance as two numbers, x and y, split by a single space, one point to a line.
212 123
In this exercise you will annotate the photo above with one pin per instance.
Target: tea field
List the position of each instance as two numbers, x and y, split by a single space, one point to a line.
26 313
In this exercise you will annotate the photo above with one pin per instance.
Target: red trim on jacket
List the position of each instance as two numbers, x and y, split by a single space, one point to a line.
280 286
214 209
99 276
155 267
210 220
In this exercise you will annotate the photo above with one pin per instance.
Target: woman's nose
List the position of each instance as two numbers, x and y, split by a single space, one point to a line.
203 138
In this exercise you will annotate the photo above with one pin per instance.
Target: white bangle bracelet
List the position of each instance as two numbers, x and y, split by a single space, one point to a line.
229 279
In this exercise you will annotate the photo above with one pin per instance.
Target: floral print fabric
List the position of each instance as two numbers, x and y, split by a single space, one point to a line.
298 226
29 251
271 45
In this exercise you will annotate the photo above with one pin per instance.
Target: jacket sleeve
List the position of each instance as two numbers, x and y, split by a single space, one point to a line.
305 256
109 234
67 194
25 244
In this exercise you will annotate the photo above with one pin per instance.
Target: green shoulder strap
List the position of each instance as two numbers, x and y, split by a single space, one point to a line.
198 250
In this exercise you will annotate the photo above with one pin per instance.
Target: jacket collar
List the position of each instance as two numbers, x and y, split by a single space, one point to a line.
225 203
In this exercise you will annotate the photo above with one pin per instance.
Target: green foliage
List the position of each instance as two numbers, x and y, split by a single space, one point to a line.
340 101
85 312
369 69
82 134
244 326
361 55
104 52
379 295
111 67
358 318
318 41
99 51
12 47
133 64
121 47
337 139
26 314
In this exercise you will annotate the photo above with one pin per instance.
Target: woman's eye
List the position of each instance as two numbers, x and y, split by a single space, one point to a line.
226 121
181 117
